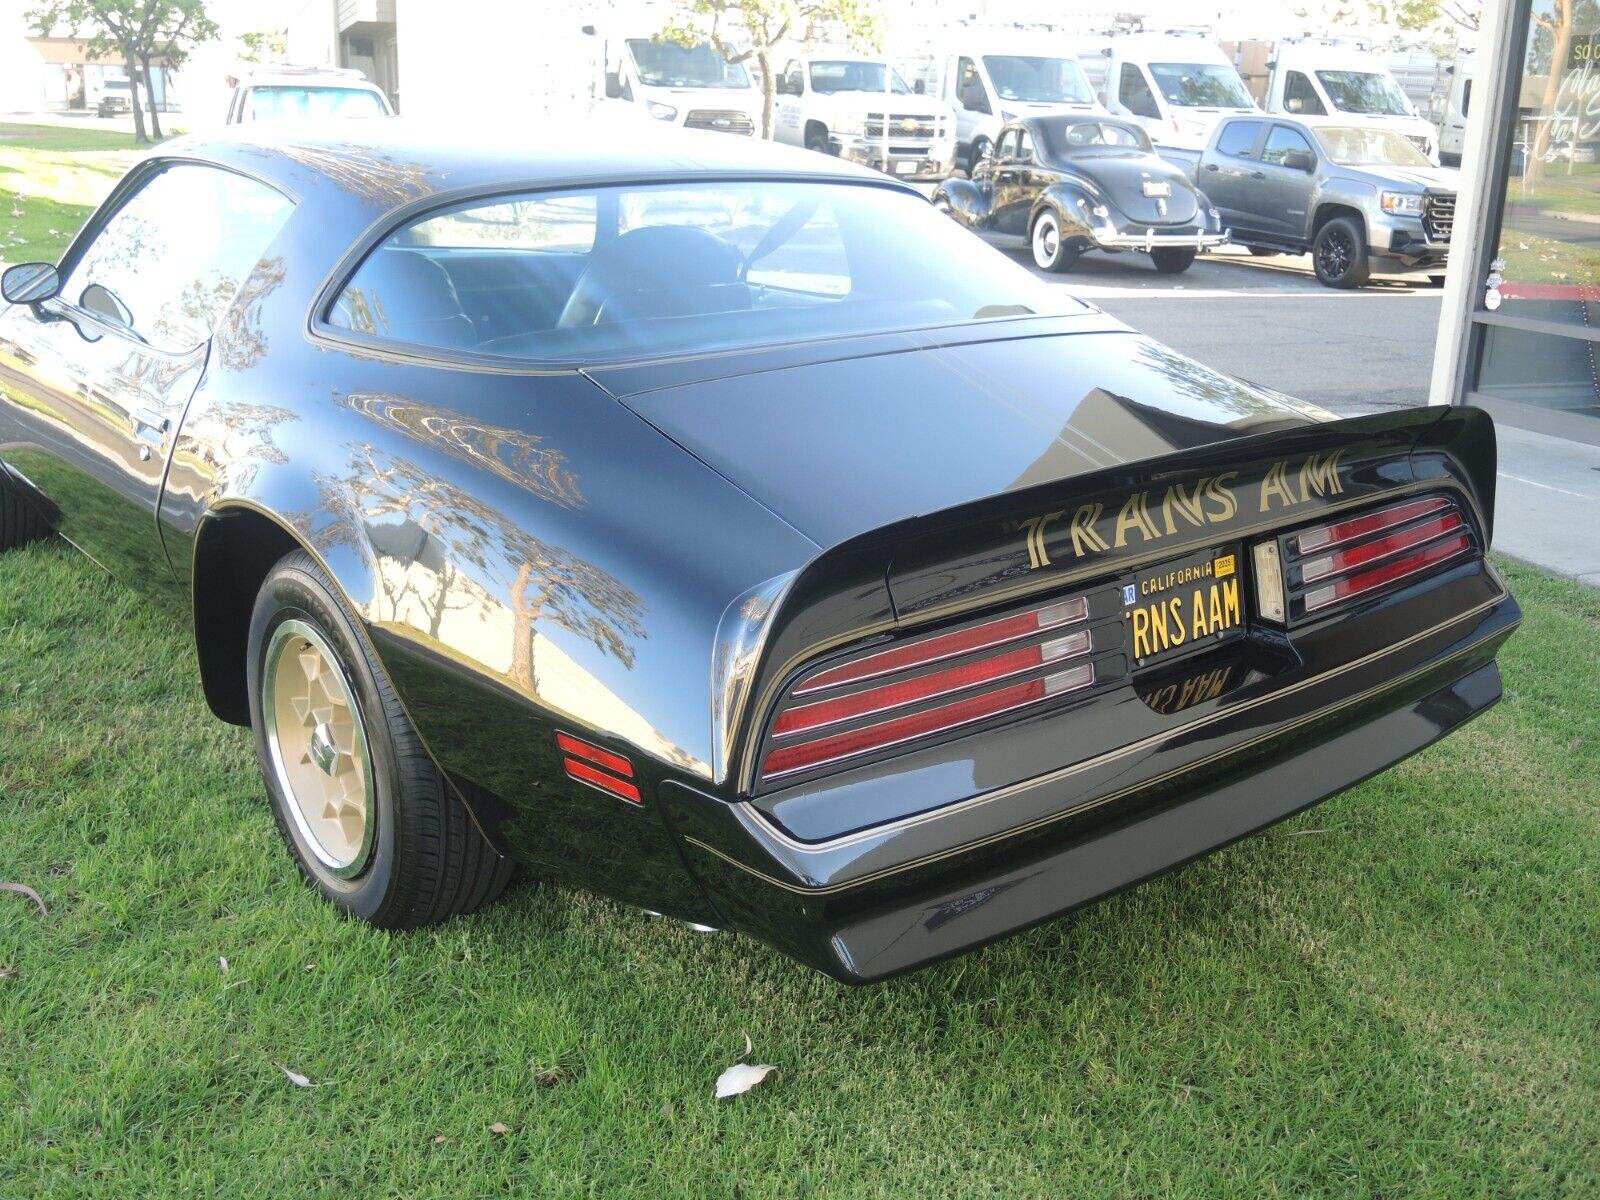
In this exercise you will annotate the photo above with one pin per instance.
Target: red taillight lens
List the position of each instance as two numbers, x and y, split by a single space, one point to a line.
598 768
896 710
1362 554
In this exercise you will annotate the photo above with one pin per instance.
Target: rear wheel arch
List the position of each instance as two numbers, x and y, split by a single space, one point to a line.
234 551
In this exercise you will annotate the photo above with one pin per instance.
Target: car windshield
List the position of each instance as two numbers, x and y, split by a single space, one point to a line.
1077 137
669 64
585 275
1038 80
1365 92
849 76
268 103
1200 85
1356 147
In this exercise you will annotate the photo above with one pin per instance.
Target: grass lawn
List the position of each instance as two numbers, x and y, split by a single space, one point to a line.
1396 994
50 181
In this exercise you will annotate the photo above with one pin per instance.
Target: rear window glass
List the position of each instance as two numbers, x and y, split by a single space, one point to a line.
275 103
569 276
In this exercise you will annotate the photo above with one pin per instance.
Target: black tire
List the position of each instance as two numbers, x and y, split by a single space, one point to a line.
1050 253
976 153
20 522
1436 280
1173 260
1339 254
817 140
1263 251
427 860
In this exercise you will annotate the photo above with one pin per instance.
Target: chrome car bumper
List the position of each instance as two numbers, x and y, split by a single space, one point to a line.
1110 238
906 161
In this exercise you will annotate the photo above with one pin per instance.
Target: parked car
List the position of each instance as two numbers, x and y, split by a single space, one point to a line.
1357 198
691 86
1071 184
858 108
278 93
720 528
116 97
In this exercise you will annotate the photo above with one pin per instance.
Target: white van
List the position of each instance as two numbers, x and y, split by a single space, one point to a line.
1453 117
991 82
690 86
1324 77
1177 85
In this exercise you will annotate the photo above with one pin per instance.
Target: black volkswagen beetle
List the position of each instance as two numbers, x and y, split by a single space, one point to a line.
719 528
1069 184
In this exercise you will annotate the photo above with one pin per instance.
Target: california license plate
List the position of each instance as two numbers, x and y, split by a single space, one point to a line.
1154 187
1183 603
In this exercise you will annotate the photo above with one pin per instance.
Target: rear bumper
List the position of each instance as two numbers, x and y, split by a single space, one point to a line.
884 901
1129 238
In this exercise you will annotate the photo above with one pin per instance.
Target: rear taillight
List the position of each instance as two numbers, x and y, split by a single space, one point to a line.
1328 565
931 686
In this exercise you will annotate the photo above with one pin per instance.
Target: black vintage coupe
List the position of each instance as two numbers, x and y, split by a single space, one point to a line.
1069 184
722 529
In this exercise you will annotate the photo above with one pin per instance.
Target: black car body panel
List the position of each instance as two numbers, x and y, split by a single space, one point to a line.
651 554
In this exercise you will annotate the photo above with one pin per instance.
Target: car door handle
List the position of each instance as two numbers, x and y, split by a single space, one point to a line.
1258 174
148 418
1211 166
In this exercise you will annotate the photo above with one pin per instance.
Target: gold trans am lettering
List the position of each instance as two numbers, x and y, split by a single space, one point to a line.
1142 518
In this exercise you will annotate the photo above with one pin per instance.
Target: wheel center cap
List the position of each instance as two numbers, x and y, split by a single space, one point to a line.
323 749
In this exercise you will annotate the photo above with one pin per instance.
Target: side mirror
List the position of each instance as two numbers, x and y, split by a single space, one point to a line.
30 283
613 86
1300 160
103 302
988 152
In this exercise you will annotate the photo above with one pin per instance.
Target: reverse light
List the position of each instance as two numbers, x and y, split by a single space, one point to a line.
931 686
1407 204
1269 581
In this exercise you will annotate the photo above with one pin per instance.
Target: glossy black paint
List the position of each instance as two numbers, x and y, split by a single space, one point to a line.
1006 194
533 550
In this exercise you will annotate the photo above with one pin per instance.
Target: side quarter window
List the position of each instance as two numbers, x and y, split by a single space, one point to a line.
1006 151
170 260
1134 92
1238 138
1025 148
793 79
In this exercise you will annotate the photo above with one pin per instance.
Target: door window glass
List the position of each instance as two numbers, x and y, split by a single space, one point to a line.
1239 138
1025 148
173 255
969 87
1007 149
1299 96
1280 141
1134 92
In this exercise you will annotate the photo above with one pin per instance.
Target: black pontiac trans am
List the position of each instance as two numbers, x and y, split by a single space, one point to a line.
722 529
1069 184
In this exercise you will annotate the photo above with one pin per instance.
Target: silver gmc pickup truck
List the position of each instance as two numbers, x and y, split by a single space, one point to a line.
1360 201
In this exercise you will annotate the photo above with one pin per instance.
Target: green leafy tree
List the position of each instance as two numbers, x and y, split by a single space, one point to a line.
138 30
263 45
742 30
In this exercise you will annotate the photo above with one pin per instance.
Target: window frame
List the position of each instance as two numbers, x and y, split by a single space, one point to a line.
1251 155
1150 91
320 332
130 186
1275 126
1310 88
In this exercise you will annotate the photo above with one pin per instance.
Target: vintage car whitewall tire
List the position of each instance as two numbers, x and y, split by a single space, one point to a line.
1339 254
370 820
1049 253
20 523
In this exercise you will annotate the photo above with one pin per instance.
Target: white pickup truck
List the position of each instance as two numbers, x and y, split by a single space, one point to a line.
859 108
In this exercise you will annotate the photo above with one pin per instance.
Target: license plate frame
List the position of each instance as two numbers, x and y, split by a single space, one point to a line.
905 167
1182 605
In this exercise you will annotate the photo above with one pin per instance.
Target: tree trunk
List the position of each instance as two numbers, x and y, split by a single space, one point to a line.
150 98
1533 171
131 63
769 91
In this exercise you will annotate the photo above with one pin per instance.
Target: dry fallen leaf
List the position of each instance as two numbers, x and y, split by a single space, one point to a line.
740 1078
223 963
294 1077
8 972
440 1140
23 889
498 1128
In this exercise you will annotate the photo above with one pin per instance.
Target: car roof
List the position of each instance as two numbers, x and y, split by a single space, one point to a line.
379 166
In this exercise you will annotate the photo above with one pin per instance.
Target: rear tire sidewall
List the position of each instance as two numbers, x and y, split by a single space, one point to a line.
1358 270
1172 261
296 590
